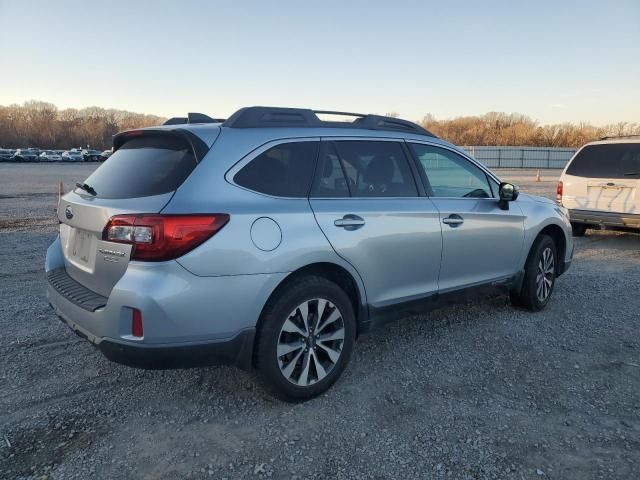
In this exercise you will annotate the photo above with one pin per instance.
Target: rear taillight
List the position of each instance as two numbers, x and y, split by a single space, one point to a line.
156 238
559 193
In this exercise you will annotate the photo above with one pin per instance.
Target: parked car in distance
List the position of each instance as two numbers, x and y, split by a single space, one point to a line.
72 156
601 185
26 155
104 155
50 156
6 154
274 239
91 155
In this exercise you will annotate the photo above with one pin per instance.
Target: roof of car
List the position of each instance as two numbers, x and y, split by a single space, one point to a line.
617 139
259 125
284 117
208 132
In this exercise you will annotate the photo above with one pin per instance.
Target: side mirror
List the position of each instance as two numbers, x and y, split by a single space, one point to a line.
508 192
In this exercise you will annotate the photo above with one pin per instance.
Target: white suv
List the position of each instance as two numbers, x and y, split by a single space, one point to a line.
601 185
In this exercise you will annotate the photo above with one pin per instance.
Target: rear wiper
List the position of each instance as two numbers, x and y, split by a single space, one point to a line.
631 174
87 188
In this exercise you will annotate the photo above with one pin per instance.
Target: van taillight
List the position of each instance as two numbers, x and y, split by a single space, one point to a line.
559 193
156 238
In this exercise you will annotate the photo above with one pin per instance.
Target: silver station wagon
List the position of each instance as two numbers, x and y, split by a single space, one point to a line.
271 240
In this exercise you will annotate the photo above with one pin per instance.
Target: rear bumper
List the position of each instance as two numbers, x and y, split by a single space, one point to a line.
188 320
606 219
237 350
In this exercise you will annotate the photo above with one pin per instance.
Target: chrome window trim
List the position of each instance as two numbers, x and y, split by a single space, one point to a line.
236 167
334 138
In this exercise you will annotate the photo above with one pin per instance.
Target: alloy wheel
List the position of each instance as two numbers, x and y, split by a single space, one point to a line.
310 342
545 275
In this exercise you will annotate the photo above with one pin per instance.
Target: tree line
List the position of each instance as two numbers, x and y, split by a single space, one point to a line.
43 125
520 130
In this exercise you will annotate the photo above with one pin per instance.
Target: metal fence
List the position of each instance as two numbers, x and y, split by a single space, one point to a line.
521 157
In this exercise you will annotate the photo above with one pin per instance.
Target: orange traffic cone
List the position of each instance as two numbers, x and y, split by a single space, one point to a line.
538 179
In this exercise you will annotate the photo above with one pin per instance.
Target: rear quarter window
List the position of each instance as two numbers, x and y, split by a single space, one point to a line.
143 167
612 160
285 170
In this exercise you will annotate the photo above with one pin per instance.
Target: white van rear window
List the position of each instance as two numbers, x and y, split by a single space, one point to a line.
611 160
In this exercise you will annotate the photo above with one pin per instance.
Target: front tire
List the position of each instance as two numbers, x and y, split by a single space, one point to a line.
305 338
578 229
539 275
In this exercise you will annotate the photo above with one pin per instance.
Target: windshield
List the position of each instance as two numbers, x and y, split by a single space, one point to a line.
611 160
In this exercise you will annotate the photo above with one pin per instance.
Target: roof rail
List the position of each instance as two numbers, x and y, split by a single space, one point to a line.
620 136
261 117
193 118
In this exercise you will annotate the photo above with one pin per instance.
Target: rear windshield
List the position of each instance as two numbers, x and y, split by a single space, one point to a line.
143 167
613 160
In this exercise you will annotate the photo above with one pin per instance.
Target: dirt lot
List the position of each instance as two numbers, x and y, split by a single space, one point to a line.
473 391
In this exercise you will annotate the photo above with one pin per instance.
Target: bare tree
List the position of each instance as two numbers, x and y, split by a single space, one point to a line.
42 125
496 128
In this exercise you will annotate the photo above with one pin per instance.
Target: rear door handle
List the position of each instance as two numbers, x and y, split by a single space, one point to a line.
453 220
349 222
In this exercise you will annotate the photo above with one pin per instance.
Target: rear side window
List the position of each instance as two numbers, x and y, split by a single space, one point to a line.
283 171
613 160
330 181
376 169
143 167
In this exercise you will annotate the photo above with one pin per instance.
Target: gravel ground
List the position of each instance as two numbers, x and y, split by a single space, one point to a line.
479 390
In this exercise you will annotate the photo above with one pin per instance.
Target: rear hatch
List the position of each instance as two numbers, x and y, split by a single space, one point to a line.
604 177
139 177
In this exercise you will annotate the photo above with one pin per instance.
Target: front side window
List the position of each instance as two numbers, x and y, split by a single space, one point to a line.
451 175
375 169
283 171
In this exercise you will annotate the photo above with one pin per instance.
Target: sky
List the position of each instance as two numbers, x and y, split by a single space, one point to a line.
556 61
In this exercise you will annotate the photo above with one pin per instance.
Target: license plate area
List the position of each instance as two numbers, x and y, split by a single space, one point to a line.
611 192
82 248
606 191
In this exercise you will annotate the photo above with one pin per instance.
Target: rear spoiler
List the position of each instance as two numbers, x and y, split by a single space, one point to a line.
193 118
198 146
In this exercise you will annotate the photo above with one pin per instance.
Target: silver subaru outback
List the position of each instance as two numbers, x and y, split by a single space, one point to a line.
274 238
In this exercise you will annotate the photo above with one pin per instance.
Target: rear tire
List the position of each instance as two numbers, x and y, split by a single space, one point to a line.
539 275
579 229
305 338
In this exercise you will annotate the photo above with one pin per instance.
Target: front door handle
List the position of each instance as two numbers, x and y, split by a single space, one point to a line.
349 222
453 220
